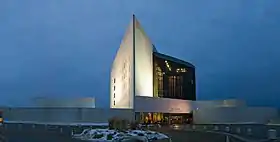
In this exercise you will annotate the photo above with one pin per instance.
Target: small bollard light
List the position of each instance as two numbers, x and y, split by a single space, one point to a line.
227 129
169 140
193 127
272 134
249 131
216 128
238 130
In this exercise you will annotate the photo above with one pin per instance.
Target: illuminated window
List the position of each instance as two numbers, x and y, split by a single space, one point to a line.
168 66
181 70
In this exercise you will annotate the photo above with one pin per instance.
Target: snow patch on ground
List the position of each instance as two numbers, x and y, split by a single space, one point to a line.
106 135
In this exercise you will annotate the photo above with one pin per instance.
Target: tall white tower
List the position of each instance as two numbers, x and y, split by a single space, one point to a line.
132 69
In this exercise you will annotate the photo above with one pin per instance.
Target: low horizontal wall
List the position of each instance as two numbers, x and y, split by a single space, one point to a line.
260 115
167 105
66 115
64 102
219 103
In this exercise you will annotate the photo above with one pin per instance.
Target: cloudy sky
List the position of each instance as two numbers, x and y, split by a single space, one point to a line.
65 47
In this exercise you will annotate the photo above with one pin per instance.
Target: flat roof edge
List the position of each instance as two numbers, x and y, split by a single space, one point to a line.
168 57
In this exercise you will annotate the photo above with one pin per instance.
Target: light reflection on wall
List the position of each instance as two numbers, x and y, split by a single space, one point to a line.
143 63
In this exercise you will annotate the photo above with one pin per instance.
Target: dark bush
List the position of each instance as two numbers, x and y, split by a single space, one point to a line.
154 138
140 134
98 136
109 137
134 126
117 123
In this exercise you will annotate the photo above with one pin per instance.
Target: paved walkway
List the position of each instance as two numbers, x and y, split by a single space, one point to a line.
191 136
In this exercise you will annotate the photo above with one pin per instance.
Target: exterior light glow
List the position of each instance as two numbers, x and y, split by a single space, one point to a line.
168 66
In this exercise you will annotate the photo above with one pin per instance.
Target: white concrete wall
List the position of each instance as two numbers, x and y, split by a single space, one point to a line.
65 115
123 68
64 102
234 115
165 105
143 62
122 73
219 103
143 104
151 104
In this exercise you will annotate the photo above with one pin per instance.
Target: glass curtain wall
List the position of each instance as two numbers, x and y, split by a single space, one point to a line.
173 80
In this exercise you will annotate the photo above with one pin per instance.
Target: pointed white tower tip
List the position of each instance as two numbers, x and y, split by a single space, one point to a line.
143 62
122 71
132 74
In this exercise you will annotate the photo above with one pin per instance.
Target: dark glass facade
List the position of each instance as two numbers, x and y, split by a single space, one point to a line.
173 78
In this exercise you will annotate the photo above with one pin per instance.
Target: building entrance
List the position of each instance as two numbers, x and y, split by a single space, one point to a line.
163 118
176 120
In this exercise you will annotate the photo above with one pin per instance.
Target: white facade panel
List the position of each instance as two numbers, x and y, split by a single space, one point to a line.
121 83
143 63
122 73
164 105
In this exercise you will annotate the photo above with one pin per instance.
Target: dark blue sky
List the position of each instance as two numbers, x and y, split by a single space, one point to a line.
66 47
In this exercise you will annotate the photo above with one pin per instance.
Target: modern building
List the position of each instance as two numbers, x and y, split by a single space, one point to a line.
139 73
162 88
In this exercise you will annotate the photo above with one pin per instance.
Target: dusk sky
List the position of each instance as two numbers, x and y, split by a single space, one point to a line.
65 48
